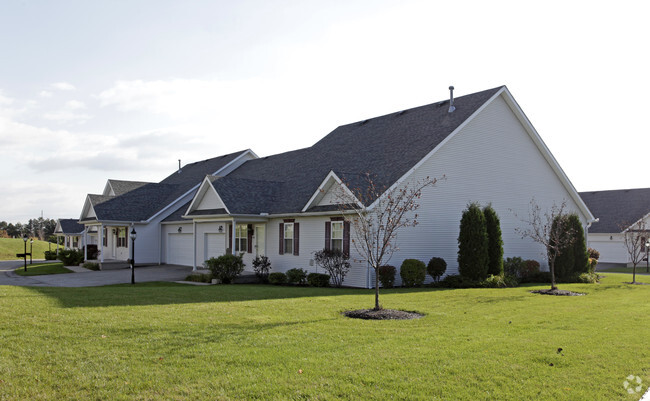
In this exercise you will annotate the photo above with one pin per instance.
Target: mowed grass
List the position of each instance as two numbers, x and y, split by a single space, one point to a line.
9 247
622 269
39 269
249 342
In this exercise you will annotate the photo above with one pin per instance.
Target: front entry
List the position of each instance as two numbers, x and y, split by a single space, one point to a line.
260 238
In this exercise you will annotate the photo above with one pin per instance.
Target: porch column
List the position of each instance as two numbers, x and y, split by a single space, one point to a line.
57 245
194 244
83 243
234 236
101 243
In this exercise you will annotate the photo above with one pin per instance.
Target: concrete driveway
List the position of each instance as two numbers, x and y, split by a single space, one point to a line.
90 278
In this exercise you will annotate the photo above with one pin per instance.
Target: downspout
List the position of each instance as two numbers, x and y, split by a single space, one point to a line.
194 244
589 223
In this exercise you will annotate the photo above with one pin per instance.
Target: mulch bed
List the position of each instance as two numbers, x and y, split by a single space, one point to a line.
382 314
566 293
637 283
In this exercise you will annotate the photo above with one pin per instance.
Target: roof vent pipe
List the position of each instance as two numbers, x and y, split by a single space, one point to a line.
451 99
179 166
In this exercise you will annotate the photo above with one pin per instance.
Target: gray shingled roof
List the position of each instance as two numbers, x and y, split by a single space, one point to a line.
121 187
616 207
386 146
143 202
70 226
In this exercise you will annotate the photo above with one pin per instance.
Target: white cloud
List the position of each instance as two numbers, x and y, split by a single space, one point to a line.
45 94
74 105
65 116
63 86
5 101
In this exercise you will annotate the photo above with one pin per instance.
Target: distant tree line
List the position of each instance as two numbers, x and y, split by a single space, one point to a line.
41 228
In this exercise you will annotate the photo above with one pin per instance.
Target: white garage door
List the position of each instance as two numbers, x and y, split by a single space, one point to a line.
214 245
179 249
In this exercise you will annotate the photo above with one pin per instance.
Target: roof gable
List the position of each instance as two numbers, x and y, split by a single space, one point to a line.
206 200
68 226
617 207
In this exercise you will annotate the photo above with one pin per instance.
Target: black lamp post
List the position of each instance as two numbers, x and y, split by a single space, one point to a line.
25 254
647 265
133 235
31 250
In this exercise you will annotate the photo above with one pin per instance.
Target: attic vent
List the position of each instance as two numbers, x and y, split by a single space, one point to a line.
363 122
451 99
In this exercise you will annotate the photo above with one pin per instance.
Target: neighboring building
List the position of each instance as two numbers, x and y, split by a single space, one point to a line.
125 205
616 210
282 206
72 233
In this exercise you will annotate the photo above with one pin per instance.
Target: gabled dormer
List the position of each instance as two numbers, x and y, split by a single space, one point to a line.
206 201
328 193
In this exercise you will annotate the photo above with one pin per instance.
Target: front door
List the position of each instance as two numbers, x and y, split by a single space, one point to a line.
260 245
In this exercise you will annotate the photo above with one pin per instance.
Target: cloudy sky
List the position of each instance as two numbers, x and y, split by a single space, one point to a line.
91 90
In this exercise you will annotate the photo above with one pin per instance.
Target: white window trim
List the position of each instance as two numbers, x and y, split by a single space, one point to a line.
333 238
285 238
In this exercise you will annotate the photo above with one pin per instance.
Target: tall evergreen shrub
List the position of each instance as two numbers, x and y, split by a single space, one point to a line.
473 244
573 259
495 242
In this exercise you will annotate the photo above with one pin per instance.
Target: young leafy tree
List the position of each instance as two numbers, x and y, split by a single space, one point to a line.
495 242
376 214
549 229
634 238
473 256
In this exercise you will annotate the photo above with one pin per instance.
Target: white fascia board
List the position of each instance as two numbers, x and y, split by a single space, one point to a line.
434 150
330 176
206 185
550 159
58 228
632 225
108 188
233 161
87 205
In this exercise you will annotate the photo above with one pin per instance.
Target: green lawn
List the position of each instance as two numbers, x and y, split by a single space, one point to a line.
38 269
9 247
622 269
242 342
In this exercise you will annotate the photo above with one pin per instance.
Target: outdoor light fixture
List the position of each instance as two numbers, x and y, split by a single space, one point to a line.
647 265
180 229
133 235
31 250
25 254
220 229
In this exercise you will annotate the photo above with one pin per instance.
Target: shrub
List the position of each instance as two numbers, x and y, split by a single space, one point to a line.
225 267
456 281
592 265
495 242
91 265
574 258
318 279
261 267
588 278
513 266
50 255
412 272
199 278
436 268
92 252
500 281
335 262
473 244
387 275
277 278
70 257
528 268
594 254
296 276
539 277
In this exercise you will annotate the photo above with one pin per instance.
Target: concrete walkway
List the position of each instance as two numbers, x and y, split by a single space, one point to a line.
89 278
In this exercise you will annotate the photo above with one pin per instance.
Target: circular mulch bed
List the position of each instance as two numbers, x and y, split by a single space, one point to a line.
637 283
382 314
566 293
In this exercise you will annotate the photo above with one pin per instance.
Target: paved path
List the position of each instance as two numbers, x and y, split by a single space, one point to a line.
89 278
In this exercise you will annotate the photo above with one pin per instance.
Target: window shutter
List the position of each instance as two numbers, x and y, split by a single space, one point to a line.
328 235
346 238
296 238
232 250
281 251
250 238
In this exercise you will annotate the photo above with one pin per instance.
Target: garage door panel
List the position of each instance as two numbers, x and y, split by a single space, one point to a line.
214 245
180 248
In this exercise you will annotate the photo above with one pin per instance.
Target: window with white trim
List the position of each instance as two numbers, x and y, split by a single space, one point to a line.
241 238
337 236
121 237
288 238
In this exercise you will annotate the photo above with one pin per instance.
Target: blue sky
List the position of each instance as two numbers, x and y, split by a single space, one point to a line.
123 89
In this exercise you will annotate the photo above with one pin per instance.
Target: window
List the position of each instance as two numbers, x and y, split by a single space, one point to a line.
121 237
337 235
288 238
75 242
241 238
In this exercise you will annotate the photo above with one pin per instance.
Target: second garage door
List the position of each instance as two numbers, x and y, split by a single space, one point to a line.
179 249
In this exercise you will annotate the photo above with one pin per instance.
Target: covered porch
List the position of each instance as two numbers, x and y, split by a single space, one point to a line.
111 239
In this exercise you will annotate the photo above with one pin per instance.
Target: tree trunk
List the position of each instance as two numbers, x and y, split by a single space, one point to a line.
376 290
552 266
634 274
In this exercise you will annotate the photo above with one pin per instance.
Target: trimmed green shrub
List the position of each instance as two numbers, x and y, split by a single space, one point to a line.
436 268
495 242
588 278
335 262
539 277
225 267
412 272
573 259
519 268
473 244
318 279
70 257
277 278
296 276
513 266
91 265
199 278
387 275
261 267
456 281
501 281
50 255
